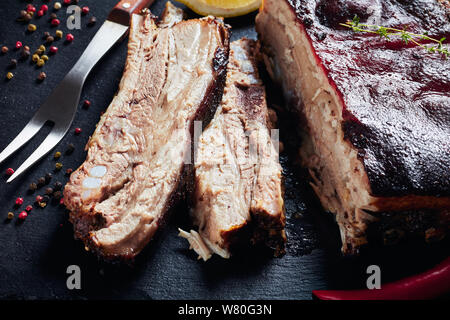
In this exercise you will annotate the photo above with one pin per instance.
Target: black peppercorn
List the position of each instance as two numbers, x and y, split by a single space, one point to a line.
13 63
92 21
45 199
57 195
48 177
48 191
41 181
70 148
33 187
58 186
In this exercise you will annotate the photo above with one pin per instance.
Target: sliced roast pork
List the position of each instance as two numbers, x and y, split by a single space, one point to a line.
173 76
375 113
238 188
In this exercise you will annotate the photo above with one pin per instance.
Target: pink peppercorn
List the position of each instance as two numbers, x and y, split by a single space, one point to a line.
55 22
61 201
70 37
19 201
86 104
29 208
67 1
31 8
40 13
18 45
53 49
44 8
77 130
10 171
23 215
85 10
39 199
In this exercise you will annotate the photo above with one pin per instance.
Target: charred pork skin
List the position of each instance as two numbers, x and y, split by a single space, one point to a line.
173 76
238 188
376 113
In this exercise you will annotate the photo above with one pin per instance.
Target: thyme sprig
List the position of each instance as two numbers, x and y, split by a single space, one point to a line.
387 33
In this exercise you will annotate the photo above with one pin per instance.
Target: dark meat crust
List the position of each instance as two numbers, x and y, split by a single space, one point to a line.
396 97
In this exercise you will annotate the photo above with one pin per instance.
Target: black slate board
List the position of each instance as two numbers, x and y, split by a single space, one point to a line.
34 255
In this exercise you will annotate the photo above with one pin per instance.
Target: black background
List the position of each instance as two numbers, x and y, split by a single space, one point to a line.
34 255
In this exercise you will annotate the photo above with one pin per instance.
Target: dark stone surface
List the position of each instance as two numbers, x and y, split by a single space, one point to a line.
34 255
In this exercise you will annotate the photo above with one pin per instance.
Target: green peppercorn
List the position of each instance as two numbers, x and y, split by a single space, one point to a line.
10 215
57 155
59 34
32 27
40 63
35 57
58 166
42 47
9 75
42 204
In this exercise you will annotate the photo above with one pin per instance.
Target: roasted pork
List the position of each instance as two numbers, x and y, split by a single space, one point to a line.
174 75
238 189
375 113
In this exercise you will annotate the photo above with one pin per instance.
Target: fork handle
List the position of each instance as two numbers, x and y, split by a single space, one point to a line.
124 9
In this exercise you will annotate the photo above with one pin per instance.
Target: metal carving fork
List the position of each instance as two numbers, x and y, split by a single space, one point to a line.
60 107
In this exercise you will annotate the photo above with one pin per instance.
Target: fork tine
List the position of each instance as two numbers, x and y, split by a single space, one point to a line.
48 144
28 132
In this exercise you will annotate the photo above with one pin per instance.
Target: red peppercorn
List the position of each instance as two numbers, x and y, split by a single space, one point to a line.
19 201
44 8
10 171
18 45
61 201
86 104
31 8
39 199
53 49
55 22
40 13
23 215
85 10
77 130
67 1
70 37
29 208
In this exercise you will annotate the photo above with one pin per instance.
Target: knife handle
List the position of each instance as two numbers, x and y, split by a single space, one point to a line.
125 8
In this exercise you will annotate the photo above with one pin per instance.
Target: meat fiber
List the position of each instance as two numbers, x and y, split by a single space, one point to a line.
238 188
375 113
136 157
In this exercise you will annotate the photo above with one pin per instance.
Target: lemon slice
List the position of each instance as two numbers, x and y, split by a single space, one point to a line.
222 8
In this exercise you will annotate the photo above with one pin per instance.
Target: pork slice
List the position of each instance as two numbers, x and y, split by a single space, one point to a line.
237 172
375 113
171 15
174 75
